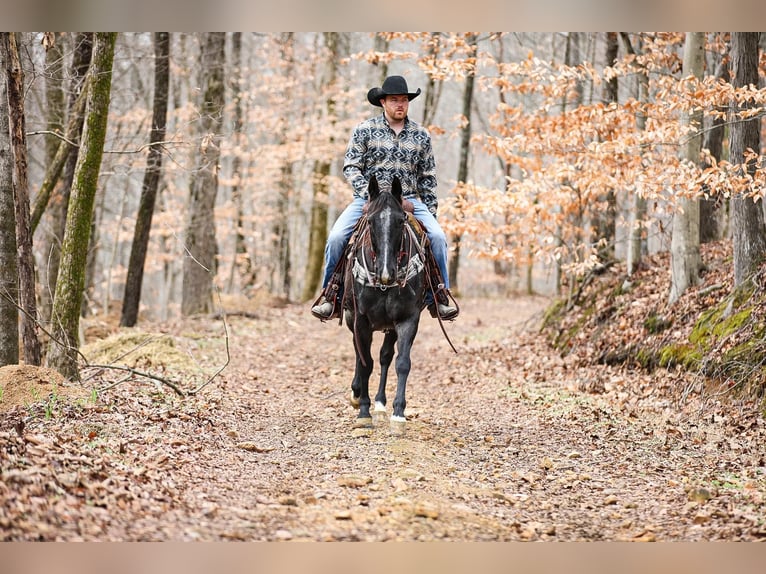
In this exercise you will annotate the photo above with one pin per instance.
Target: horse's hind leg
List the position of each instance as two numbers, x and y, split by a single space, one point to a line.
386 356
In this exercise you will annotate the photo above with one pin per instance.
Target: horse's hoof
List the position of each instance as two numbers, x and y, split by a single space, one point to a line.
354 400
380 407
363 423
379 417
398 425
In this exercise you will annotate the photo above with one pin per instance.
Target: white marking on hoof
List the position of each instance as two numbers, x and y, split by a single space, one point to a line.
396 419
354 400
380 407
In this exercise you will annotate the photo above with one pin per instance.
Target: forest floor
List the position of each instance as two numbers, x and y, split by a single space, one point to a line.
505 440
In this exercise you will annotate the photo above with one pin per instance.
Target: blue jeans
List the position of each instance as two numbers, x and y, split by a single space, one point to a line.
344 226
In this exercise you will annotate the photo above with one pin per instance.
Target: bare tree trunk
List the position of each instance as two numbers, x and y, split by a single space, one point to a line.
747 215
685 259
26 267
55 105
318 231
710 228
240 260
56 198
9 285
381 45
605 221
637 215
199 265
63 349
462 171
433 87
134 280
281 279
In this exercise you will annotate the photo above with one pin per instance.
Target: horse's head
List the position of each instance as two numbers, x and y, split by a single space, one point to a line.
386 219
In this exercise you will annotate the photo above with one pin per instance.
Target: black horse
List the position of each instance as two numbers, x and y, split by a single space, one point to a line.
385 287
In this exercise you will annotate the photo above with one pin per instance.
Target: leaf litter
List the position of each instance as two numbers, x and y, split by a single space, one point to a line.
506 440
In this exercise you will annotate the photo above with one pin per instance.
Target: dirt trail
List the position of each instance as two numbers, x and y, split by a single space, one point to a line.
504 442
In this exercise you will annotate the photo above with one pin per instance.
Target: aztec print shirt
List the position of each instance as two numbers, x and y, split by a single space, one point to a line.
374 149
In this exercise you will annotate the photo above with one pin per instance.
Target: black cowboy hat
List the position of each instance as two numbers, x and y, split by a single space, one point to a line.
392 86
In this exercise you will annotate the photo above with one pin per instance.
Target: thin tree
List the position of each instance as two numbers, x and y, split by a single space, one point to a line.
241 262
604 221
54 193
747 215
64 344
26 267
318 225
199 265
9 286
685 261
132 297
281 270
433 87
710 227
637 212
465 149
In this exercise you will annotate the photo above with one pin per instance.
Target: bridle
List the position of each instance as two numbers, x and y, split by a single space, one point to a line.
410 258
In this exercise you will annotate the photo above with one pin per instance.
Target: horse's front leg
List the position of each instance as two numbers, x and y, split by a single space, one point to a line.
406 332
362 372
386 356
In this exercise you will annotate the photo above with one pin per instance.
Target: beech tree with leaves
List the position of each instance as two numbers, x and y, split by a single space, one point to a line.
685 261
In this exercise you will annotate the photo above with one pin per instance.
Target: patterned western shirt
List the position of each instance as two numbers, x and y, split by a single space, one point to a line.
375 149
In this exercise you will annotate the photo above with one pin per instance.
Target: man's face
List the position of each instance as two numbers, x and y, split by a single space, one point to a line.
396 106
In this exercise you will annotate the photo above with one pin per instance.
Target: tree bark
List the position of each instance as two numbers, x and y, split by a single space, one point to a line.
54 193
465 150
710 227
747 215
241 264
26 267
318 230
132 297
637 215
685 261
63 349
433 88
199 266
9 286
280 276
605 221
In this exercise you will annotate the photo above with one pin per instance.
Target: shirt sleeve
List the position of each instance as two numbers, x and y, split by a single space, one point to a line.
353 162
426 178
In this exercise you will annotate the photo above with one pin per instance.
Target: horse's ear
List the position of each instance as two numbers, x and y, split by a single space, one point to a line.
396 189
372 188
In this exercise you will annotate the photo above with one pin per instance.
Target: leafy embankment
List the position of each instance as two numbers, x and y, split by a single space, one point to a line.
713 329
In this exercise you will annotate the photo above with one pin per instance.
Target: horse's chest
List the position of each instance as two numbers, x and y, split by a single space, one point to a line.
385 310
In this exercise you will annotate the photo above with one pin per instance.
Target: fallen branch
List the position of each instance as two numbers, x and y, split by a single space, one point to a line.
136 372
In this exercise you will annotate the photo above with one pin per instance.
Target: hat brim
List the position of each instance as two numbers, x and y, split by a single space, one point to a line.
375 94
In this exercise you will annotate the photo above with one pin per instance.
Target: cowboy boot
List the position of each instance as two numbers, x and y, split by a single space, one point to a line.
446 311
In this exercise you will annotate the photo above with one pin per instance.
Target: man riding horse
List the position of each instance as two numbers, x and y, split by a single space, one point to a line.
389 146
